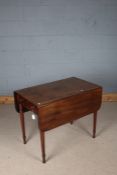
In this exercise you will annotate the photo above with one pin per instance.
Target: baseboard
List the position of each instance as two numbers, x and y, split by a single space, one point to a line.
107 97
6 100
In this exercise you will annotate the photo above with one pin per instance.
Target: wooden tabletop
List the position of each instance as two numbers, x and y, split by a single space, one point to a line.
49 92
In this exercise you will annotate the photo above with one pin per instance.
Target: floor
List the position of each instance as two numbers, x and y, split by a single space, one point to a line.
70 149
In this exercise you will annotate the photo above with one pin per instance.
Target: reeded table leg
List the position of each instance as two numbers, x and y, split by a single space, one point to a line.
42 137
94 123
22 123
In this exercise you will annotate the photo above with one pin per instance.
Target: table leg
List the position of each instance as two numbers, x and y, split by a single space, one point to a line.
22 123
42 137
94 123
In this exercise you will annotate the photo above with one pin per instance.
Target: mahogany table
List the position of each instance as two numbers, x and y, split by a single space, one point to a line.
58 103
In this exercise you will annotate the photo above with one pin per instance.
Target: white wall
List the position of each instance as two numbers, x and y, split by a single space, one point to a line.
46 40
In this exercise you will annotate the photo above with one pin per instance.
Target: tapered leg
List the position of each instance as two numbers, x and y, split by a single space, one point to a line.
94 124
22 123
71 122
42 137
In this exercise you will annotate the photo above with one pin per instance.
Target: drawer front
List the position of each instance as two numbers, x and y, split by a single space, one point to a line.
66 110
27 106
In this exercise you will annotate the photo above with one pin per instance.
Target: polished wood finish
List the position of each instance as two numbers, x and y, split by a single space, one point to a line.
106 97
58 103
